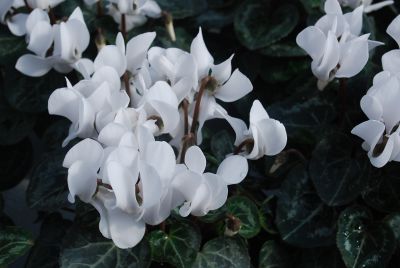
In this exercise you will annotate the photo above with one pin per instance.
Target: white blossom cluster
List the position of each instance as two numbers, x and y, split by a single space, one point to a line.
367 4
135 94
134 12
381 105
335 45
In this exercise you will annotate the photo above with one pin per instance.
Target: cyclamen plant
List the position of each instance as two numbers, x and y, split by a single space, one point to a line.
141 175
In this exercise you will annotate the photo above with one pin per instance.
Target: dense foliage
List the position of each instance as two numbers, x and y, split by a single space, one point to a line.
319 203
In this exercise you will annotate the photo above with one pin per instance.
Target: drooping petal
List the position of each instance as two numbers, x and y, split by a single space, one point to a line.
272 136
64 102
34 17
88 151
391 61
370 131
161 157
151 185
233 169
222 71
82 181
384 157
151 9
195 159
32 65
235 88
201 55
332 7
371 107
111 134
355 20
257 112
377 6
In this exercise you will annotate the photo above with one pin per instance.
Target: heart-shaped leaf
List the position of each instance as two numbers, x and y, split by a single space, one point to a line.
273 255
14 242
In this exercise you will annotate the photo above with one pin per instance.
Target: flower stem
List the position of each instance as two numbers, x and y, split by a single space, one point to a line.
100 12
53 19
28 6
185 107
342 96
125 77
196 113
123 25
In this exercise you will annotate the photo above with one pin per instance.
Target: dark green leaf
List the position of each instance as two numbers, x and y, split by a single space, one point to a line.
257 28
383 188
338 173
15 161
87 248
11 47
46 251
183 9
223 252
267 215
14 242
302 218
273 255
326 257
393 221
246 211
283 49
55 134
276 70
48 187
183 38
214 215
221 145
362 242
31 94
178 245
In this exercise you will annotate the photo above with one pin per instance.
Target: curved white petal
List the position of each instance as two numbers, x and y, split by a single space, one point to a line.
222 71
391 61
136 50
16 24
354 56
233 169
313 41
87 150
82 181
161 157
201 55
111 56
111 134
394 29
41 38
64 102
195 159
32 65
235 88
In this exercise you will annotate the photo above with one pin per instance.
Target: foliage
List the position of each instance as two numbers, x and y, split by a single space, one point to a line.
317 204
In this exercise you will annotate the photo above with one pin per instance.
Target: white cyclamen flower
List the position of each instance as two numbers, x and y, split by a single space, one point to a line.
207 191
334 44
368 6
135 12
58 46
265 136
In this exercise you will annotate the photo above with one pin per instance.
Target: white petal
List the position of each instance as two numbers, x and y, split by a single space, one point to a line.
195 159
136 50
257 112
371 107
79 34
161 157
200 52
151 9
151 185
332 7
391 61
272 135
222 71
233 169
384 157
82 181
64 102
238 125
123 181
355 20
32 65
85 67
111 134
34 17
330 59
41 38
312 40
370 131
111 56
353 58
394 29
87 150
235 88
17 23
109 75
377 6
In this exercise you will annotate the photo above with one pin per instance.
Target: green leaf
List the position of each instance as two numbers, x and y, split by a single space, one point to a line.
178 245
214 215
31 94
84 248
183 38
183 9
362 242
273 255
303 220
223 252
46 251
325 257
11 47
337 172
55 134
312 5
221 145
383 187
15 161
277 71
14 242
256 28
14 125
48 189
267 215
246 211
283 50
